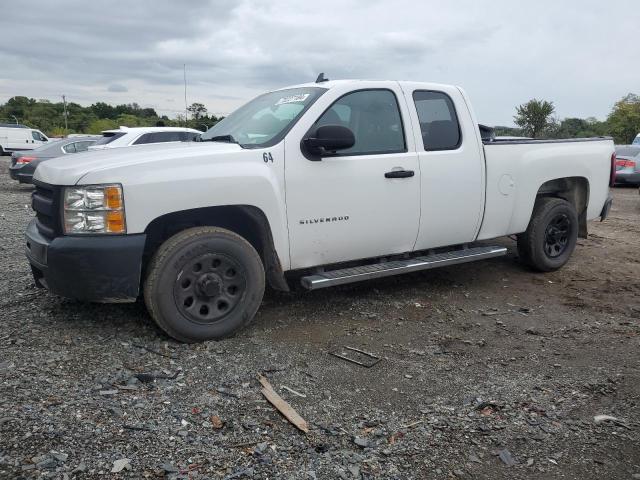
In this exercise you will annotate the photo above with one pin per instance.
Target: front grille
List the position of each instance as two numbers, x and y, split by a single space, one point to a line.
45 201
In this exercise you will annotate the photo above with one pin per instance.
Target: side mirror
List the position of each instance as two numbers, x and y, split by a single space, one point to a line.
327 140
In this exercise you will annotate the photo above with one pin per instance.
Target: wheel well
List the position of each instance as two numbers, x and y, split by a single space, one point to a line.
247 221
574 190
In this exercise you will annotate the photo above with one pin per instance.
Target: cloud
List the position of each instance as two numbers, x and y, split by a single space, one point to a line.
503 54
117 88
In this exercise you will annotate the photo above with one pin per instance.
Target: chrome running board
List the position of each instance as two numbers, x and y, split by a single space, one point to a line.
396 267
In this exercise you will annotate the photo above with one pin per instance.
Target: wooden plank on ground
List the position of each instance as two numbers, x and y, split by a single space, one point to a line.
283 407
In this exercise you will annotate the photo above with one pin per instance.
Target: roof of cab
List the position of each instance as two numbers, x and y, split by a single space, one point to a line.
328 84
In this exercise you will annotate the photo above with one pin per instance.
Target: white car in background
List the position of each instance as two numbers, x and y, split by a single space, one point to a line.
125 137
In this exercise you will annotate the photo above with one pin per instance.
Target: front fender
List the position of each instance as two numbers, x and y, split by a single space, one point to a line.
200 181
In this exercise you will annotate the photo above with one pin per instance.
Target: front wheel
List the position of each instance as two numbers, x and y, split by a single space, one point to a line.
204 283
551 236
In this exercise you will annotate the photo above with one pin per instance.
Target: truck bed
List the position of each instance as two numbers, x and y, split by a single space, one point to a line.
516 169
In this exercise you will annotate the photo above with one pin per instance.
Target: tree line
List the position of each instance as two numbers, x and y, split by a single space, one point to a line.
49 117
536 119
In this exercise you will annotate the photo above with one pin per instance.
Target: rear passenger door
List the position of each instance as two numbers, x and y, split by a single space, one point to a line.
451 167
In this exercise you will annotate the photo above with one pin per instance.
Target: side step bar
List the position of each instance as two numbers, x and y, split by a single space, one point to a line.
396 267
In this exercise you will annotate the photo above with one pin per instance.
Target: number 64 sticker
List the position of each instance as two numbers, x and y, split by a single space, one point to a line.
267 157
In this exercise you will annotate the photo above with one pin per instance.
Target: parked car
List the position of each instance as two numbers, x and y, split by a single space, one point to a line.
125 137
17 137
323 184
23 164
628 165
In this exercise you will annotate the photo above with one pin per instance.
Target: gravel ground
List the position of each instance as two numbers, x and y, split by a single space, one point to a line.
487 371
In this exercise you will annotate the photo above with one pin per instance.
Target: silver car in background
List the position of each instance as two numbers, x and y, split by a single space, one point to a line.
628 165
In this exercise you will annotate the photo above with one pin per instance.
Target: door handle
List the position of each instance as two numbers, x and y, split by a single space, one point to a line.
399 174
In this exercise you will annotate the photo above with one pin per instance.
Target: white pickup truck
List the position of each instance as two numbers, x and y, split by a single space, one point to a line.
318 184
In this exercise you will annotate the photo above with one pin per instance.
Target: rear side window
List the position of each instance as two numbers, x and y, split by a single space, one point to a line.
83 146
146 138
70 148
108 137
438 120
374 118
189 136
170 136
160 137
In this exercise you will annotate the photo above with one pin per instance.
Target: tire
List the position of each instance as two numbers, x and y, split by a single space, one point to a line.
551 236
204 283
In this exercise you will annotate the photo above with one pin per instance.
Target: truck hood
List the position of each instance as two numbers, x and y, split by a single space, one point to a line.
69 170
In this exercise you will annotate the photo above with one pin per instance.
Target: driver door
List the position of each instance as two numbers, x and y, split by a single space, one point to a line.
354 204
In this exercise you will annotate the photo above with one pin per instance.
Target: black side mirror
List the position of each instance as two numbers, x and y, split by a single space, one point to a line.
326 141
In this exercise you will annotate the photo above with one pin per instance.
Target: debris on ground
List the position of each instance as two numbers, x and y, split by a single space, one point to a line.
362 358
282 406
122 464
506 457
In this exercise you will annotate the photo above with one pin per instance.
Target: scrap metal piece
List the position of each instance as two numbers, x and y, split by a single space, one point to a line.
375 358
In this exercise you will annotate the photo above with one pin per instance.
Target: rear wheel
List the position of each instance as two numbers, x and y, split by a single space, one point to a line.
204 283
551 235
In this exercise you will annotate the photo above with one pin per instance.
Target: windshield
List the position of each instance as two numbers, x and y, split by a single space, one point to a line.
265 120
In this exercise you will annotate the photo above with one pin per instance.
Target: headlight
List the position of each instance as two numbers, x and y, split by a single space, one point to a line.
94 209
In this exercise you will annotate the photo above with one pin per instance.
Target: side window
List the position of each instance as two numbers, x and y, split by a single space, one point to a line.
70 148
35 135
83 146
188 136
170 137
146 138
438 120
374 118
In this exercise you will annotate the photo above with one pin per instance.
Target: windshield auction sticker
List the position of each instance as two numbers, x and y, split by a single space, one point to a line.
293 99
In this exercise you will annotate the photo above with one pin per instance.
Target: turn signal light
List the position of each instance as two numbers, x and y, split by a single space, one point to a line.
113 197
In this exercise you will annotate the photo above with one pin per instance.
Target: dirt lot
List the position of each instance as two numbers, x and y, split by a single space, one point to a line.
487 371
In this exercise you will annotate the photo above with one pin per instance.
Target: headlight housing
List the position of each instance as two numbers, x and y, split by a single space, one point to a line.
94 209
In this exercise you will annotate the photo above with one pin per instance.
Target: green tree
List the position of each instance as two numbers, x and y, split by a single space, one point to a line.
624 119
581 127
534 117
98 126
197 111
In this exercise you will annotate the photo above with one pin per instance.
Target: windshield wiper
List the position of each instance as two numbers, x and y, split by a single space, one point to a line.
221 138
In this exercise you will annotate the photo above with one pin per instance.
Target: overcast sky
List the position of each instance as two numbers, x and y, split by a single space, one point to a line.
581 54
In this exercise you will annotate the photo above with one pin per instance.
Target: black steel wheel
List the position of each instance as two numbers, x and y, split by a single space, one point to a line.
209 287
204 283
556 236
551 236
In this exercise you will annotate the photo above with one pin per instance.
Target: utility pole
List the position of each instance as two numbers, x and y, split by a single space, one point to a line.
184 68
64 100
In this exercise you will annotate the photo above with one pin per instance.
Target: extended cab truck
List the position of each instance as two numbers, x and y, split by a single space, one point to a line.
323 184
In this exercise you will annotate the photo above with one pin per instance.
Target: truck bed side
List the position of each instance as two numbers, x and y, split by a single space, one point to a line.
516 170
